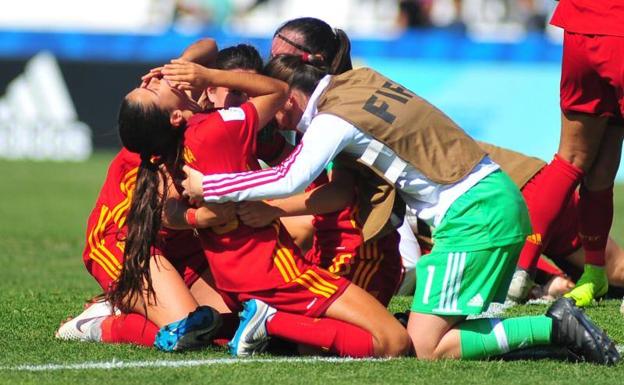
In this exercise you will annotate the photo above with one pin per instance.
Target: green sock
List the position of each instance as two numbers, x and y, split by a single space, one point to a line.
489 337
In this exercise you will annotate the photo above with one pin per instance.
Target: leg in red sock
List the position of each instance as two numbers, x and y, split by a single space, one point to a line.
328 334
595 219
130 328
547 267
547 194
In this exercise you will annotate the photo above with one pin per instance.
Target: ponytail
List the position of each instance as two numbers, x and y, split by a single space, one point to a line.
316 37
147 131
342 59
143 222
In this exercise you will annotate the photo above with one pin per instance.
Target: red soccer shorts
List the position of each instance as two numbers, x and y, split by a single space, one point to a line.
374 266
104 263
309 294
592 75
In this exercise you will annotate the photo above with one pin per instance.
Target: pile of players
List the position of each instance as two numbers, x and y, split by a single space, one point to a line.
310 253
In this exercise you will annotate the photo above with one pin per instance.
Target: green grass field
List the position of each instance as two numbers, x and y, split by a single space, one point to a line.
43 211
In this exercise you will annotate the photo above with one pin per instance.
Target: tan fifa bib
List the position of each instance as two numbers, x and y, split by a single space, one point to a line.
412 128
416 131
519 167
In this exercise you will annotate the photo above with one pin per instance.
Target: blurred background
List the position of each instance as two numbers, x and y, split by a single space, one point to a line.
492 65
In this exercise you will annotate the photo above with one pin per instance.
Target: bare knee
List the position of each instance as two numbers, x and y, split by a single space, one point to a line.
433 336
615 274
581 135
425 347
616 277
391 342
615 263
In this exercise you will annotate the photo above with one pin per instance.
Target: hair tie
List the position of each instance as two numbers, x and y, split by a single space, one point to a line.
146 162
315 60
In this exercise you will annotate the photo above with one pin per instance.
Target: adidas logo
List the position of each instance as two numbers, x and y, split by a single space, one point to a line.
476 301
38 119
535 238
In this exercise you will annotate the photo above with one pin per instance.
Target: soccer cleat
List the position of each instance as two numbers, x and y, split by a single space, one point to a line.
195 331
571 328
592 284
520 286
86 325
251 337
542 352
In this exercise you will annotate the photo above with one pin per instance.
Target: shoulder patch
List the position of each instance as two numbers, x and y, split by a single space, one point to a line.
234 113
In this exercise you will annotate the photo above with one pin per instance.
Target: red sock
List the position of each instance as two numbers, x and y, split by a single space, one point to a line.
547 195
331 335
547 267
227 330
130 328
595 219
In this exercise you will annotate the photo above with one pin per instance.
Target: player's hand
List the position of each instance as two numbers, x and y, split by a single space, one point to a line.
257 213
153 73
592 284
192 185
215 214
188 76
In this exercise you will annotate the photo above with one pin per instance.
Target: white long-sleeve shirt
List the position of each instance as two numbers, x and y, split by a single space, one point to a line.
325 136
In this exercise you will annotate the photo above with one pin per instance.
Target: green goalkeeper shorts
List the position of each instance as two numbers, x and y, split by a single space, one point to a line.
475 250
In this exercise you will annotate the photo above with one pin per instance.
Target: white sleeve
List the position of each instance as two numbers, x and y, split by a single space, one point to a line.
326 136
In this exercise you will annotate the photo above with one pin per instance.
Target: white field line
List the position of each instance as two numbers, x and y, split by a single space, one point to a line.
115 364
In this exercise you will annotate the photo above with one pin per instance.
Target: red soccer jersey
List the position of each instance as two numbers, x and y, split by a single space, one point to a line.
106 228
109 215
590 17
335 234
242 258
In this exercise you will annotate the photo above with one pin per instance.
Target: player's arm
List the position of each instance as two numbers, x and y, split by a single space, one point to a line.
179 215
203 52
326 136
328 198
268 94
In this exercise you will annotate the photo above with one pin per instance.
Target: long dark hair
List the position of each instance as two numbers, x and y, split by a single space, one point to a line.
319 38
241 56
299 73
146 130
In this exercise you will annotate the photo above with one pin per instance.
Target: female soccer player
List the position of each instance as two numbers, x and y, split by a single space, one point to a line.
107 229
564 246
339 243
590 146
258 267
442 174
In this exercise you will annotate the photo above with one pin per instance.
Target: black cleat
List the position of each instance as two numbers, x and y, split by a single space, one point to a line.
551 352
574 330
